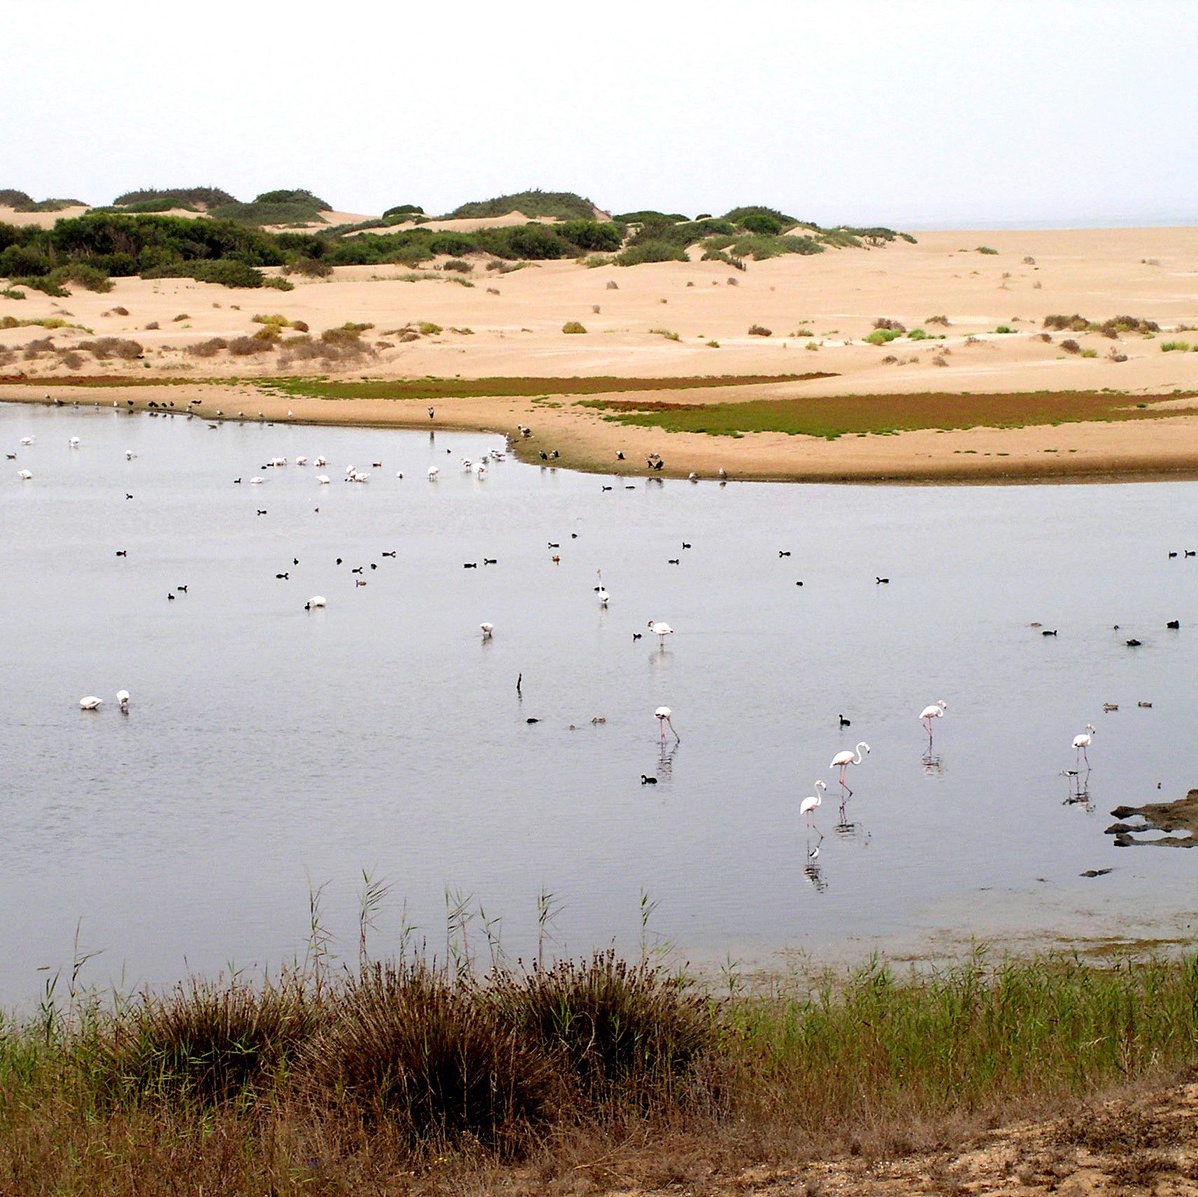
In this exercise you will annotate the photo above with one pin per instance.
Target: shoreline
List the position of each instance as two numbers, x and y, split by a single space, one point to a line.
1151 450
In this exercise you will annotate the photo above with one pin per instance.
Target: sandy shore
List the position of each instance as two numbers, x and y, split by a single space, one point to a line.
818 309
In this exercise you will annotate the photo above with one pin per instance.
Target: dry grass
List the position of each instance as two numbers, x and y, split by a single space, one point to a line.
578 1077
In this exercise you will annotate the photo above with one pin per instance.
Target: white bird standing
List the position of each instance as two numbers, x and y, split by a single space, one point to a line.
122 697
601 590
660 630
487 629
808 805
1082 742
90 703
432 473
323 479
933 712
25 475
74 442
663 717
842 760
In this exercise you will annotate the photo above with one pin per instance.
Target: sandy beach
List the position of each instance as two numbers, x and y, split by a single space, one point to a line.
685 321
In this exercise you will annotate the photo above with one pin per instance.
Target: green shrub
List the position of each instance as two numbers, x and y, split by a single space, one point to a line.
277 283
592 236
883 336
565 205
1175 347
650 251
760 222
1004 329
427 328
11 198
185 197
459 265
986 249
227 273
404 210
917 334
573 326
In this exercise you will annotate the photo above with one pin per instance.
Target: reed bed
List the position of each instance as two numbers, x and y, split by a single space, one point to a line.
413 1077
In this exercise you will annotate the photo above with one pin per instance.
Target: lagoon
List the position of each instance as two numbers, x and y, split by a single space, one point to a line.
271 753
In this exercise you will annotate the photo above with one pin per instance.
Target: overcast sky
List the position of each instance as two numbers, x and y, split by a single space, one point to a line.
912 113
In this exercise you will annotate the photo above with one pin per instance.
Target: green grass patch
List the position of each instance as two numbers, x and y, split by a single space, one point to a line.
842 415
472 388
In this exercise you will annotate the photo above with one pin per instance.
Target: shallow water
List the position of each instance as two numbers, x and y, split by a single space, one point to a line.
272 751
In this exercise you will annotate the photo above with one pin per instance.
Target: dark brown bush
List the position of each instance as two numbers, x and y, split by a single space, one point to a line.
248 346
405 1047
209 348
1071 346
891 325
756 330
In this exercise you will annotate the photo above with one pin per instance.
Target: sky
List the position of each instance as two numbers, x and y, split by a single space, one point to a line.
911 114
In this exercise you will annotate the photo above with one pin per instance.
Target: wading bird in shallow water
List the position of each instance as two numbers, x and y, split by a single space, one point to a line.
663 717
1081 743
90 703
932 712
660 630
122 697
487 629
601 590
808 806
842 760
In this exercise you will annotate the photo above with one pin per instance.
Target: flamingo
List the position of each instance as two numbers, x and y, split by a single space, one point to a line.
808 805
1082 742
660 630
122 697
432 473
932 712
487 629
90 703
663 717
842 760
601 591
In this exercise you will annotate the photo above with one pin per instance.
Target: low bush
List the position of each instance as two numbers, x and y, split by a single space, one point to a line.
209 348
883 336
986 249
623 1034
310 268
210 1043
227 272
249 346
573 326
891 325
756 330
406 1048
1071 346
459 265
1175 347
